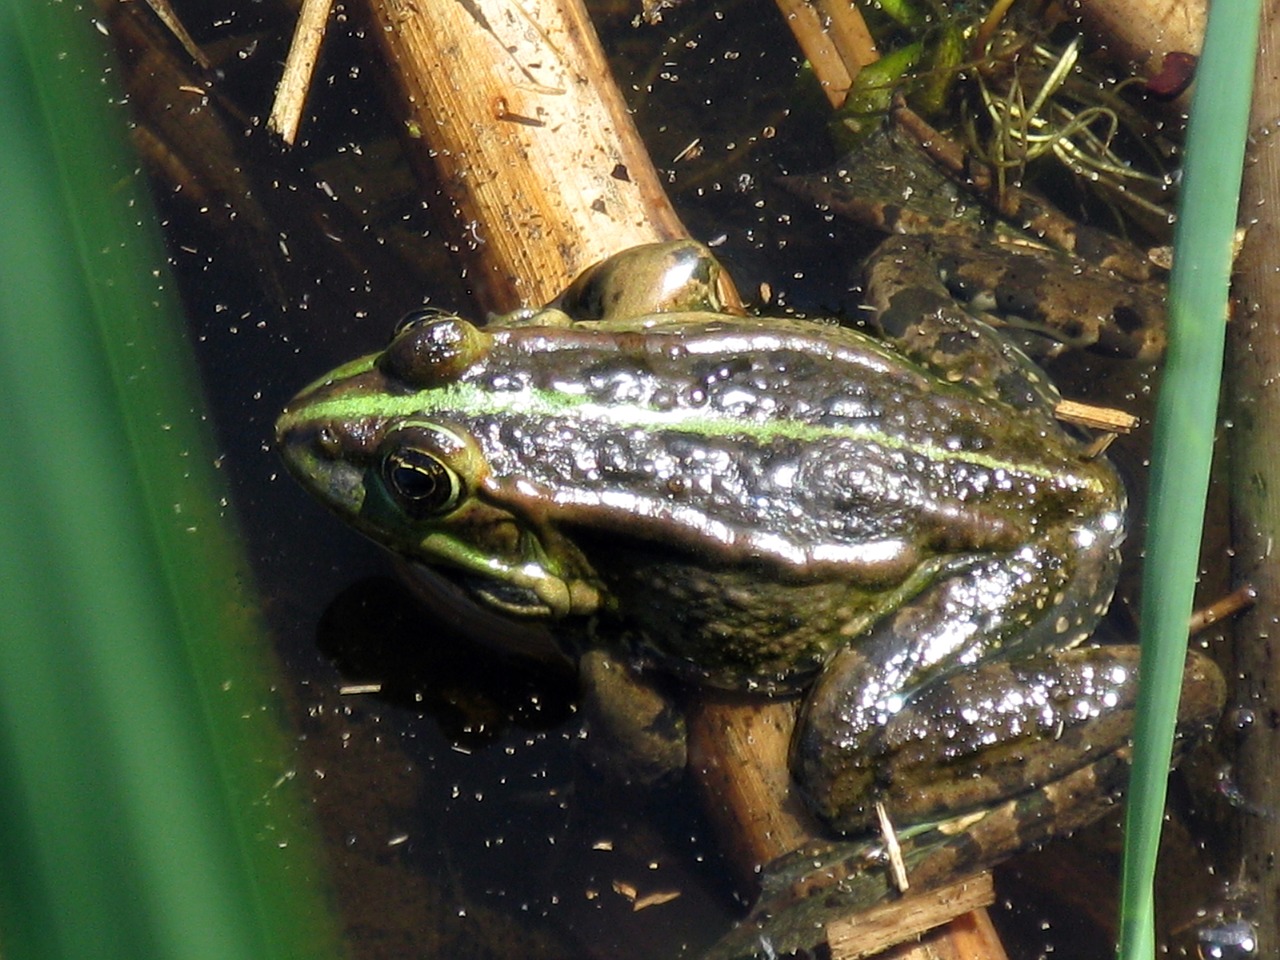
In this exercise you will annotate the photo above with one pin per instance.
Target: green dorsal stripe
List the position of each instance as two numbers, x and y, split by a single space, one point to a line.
467 400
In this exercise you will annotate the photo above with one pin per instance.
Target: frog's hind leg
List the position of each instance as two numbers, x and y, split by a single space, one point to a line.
974 694
1006 729
959 633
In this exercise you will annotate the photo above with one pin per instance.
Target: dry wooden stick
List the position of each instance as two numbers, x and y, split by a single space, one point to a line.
169 17
738 754
835 41
512 112
884 926
299 65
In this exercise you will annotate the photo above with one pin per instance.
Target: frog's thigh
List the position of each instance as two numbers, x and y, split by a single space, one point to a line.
1007 727
1001 606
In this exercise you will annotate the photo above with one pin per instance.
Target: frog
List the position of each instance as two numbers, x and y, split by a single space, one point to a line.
1044 279
888 524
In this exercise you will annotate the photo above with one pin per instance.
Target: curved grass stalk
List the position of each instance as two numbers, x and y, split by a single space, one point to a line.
1056 122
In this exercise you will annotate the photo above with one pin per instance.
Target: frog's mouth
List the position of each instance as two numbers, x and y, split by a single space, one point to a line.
523 586
508 598
515 576
464 606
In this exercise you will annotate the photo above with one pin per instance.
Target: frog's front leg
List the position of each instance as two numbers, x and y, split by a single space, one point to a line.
636 733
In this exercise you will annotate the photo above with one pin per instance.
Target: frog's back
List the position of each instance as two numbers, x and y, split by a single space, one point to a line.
807 446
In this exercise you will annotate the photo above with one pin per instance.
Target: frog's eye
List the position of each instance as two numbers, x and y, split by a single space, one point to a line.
421 482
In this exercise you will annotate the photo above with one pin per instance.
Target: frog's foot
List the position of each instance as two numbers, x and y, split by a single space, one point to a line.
916 312
980 736
827 881
1045 300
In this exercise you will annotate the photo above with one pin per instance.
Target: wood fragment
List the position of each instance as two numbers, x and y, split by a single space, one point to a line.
522 126
738 748
657 898
1095 417
881 927
1099 446
169 17
299 67
1237 601
892 849
355 689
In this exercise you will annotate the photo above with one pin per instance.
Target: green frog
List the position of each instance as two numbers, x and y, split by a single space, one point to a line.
893 526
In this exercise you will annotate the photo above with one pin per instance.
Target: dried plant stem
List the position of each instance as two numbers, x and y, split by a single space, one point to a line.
1254 412
291 92
169 17
514 115
835 41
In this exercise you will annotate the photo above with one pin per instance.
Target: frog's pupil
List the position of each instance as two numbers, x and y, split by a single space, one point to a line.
421 482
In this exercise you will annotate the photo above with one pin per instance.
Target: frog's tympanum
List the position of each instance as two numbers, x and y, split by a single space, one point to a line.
894 525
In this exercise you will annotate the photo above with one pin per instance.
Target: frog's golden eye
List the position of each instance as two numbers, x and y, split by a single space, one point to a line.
421 482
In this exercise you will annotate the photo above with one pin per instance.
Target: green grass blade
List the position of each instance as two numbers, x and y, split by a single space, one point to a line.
147 807
1186 417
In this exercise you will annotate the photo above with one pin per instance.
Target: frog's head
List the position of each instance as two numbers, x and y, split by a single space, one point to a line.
386 442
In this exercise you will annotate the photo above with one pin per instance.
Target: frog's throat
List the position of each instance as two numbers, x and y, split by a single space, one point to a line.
464 399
